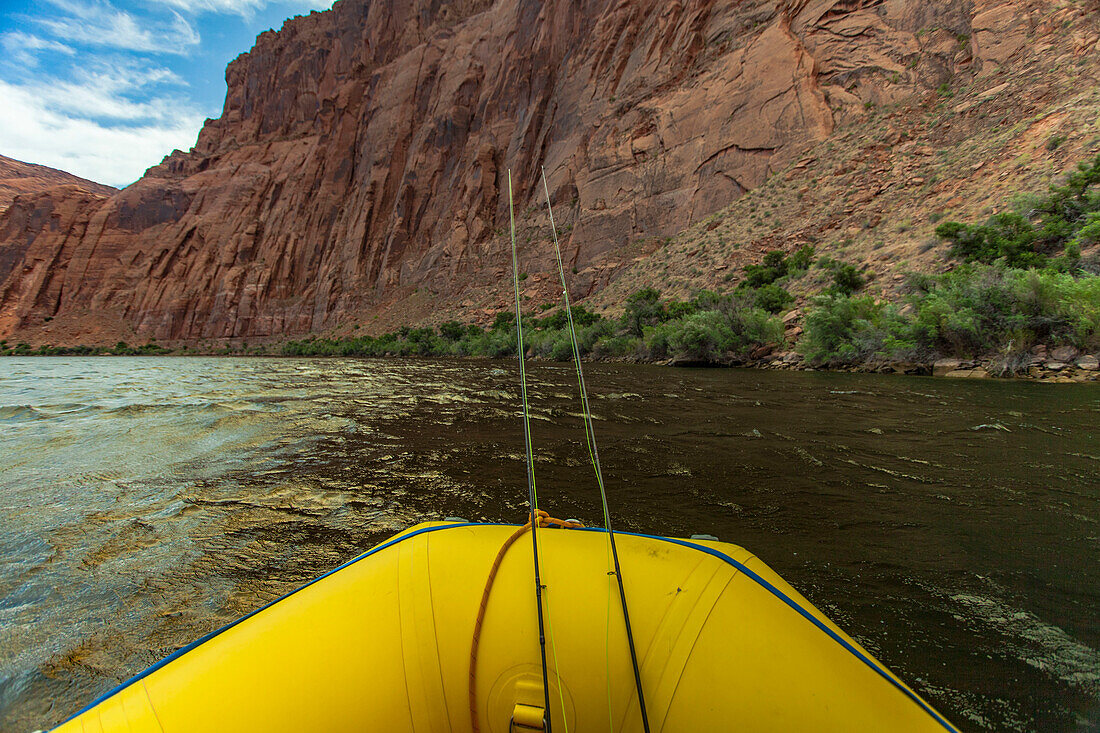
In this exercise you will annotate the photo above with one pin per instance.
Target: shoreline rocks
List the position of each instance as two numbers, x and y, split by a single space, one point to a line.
1083 368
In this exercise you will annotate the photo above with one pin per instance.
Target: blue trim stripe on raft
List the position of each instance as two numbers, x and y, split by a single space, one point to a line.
815 621
683 543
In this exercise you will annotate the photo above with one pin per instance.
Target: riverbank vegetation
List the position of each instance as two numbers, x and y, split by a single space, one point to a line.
973 311
120 349
1025 280
709 328
1022 283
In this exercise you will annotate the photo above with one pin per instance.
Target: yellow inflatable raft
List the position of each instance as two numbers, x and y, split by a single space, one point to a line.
385 642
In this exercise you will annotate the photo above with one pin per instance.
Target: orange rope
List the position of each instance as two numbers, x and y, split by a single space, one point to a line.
545 520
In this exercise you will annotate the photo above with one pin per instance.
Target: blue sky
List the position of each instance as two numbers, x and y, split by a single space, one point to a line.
106 88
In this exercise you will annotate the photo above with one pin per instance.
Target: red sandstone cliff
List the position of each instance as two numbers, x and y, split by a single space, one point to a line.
361 152
17 178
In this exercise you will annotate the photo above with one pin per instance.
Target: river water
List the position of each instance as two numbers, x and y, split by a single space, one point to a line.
950 526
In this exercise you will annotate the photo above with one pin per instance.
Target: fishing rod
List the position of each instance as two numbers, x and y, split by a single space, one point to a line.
532 495
593 452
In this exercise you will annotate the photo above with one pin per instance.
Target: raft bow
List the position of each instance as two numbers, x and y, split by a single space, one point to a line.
434 630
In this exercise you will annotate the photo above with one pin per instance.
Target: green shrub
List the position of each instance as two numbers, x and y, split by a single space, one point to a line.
681 309
658 340
732 328
753 327
1038 228
847 280
452 330
841 330
773 298
1007 236
705 336
643 308
1089 233
504 320
590 335
774 266
973 311
560 319
562 347
979 309
802 259
583 317
617 346
500 343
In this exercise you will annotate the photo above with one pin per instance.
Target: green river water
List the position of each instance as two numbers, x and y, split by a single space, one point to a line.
952 527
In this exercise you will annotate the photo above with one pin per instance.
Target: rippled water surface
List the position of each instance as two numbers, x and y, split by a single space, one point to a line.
951 527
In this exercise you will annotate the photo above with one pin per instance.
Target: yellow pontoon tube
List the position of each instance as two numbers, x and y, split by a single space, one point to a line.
384 643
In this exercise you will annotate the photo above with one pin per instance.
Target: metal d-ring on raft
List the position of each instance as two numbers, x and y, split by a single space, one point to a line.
433 630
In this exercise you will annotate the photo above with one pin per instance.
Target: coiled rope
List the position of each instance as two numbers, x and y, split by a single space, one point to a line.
544 520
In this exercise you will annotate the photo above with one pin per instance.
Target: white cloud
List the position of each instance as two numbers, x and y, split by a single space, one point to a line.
22 48
107 91
37 127
98 23
243 8
236 7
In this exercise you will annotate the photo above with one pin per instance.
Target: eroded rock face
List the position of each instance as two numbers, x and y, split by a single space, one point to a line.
362 151
18 178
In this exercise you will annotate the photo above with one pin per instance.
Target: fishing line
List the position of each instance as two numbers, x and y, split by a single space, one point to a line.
532 495
593 450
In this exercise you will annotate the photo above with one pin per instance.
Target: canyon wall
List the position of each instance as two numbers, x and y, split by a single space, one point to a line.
362 152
